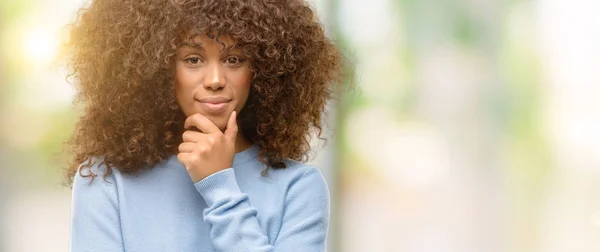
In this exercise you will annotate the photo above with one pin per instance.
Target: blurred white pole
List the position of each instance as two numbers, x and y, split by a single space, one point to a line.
569 42
458 83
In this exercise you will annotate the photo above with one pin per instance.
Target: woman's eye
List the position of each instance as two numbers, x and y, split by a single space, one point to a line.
193 60
233 60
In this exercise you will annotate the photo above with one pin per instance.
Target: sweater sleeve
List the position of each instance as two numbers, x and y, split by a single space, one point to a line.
306 215
232 220
234 226
95 224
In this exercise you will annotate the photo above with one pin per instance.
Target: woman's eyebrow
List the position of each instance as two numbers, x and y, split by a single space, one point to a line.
194 45
231 49
226 49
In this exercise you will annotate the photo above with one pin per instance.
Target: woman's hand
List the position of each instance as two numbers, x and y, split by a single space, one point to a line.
207 152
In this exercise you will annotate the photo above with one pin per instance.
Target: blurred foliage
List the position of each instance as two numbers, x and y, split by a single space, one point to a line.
39 164
509 96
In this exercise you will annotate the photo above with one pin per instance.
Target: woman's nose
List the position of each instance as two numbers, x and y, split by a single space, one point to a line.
215 78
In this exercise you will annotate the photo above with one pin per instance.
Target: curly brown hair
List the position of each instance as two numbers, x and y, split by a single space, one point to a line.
121 56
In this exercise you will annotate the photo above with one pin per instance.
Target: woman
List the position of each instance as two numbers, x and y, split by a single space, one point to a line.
195 119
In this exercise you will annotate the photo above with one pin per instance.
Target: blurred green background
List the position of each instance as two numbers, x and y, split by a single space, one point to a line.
473 125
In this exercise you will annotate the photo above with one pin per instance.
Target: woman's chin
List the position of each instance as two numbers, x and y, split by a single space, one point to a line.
219 120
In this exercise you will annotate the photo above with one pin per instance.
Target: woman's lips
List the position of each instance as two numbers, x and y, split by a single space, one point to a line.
214 99
214 107
214 104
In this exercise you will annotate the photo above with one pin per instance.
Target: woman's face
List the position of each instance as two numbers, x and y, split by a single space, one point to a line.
212 80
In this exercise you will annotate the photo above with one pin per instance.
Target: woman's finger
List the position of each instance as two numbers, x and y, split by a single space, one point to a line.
187 147
202 123
193 136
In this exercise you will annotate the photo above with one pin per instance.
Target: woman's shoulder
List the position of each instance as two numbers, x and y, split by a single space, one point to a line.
167 171
94 165
95 184
304 183
94 170
297 172
299 167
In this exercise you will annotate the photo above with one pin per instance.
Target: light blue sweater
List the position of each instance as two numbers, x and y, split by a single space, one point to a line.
236 209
